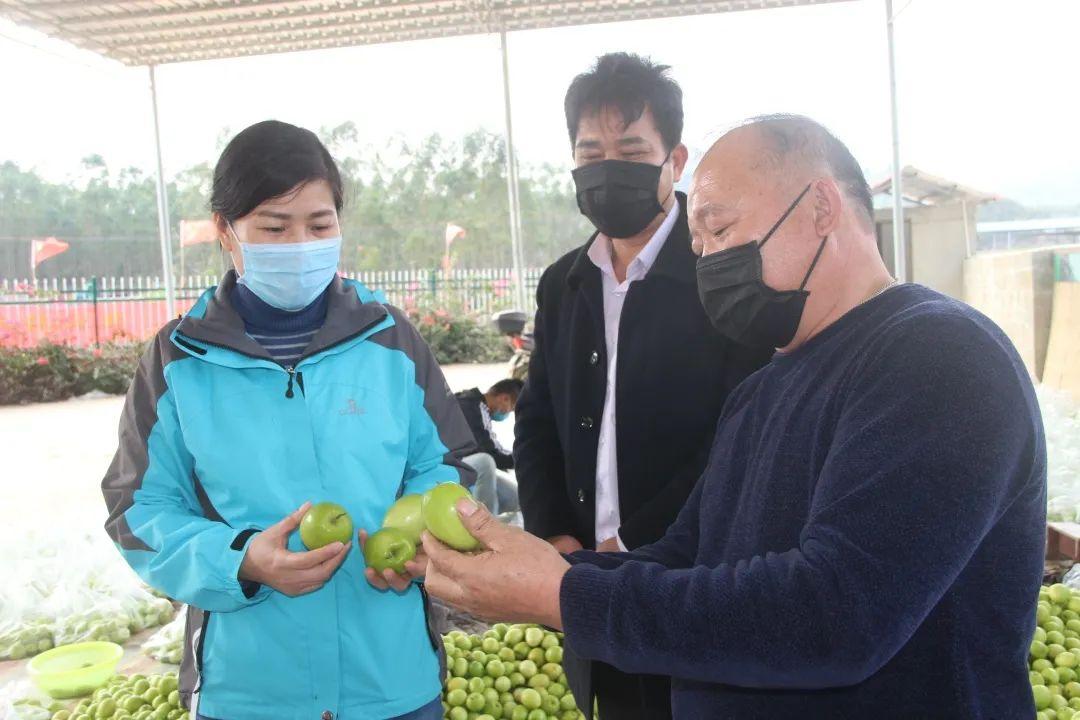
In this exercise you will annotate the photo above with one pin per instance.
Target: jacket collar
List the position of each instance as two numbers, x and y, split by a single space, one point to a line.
214 320
675 261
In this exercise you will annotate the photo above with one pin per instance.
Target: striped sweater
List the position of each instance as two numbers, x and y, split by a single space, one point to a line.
282 333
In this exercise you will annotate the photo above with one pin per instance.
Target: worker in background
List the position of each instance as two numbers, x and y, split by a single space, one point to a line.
495 487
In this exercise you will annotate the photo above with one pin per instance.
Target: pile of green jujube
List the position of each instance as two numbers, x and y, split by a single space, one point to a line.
151 612
511 672
108 626
139 697
25 640
113 625
34 709
1055 654
110 623
167 644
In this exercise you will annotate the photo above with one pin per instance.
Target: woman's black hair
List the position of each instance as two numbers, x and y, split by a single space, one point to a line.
266 161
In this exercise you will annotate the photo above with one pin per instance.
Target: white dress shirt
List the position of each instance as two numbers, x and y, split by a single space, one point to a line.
607 465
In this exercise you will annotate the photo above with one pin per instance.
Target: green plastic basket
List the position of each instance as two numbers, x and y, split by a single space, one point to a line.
75 670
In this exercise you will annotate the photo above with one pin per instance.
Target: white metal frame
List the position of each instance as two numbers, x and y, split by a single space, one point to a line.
157 32
513 186
899 236
163 207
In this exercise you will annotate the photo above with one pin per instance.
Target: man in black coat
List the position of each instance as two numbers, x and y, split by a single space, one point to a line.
628 376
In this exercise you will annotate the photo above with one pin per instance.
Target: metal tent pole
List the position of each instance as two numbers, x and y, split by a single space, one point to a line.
512 187
163 209
899 236
969 246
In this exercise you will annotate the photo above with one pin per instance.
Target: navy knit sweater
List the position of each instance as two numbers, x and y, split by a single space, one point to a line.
285 334
866 540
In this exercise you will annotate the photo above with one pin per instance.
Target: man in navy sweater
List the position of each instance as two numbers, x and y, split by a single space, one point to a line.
867 538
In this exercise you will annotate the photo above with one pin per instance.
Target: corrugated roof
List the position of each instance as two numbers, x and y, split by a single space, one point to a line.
155 32
1048 226
922 188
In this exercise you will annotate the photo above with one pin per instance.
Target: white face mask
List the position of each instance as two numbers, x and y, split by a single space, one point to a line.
289 276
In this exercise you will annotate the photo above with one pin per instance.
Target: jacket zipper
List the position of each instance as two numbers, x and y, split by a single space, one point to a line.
291 370
432 633
299 377
199 648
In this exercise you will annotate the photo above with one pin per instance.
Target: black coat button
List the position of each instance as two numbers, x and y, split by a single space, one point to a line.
587 422
581 496
594 358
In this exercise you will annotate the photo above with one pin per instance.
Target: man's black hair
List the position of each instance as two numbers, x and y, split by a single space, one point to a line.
510 386
628 83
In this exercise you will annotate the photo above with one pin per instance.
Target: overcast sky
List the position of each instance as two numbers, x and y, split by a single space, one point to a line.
988 90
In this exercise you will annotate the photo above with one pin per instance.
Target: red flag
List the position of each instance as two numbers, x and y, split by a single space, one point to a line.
45 248
194 232
453 232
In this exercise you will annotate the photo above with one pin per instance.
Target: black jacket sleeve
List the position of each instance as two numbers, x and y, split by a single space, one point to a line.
538 454
641 528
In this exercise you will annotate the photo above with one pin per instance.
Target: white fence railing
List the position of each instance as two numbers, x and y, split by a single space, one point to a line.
89 310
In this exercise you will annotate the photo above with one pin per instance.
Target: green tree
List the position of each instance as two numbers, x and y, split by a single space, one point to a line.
400 196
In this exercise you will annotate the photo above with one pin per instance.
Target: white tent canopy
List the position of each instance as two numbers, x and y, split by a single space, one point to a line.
158 32
155 32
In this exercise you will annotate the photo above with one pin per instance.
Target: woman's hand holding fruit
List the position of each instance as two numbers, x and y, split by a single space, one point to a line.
269 562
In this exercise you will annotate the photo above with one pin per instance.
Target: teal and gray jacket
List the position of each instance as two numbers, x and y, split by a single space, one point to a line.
218 441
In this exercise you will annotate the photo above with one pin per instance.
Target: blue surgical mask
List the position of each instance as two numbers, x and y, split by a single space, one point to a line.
499 416
290 276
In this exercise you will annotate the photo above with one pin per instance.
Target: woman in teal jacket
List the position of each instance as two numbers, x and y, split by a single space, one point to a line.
285 384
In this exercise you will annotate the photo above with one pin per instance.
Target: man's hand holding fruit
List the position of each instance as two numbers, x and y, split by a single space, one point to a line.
515 577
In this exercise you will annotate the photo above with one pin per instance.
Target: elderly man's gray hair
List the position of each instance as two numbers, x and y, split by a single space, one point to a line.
798 141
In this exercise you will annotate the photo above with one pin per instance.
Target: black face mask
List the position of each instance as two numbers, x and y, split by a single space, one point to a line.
618 196
739 303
